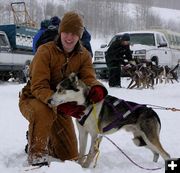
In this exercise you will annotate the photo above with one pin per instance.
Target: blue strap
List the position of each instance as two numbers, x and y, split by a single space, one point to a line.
83 119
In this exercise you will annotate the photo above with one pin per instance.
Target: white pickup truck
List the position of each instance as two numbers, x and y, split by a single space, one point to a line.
160 46
15 50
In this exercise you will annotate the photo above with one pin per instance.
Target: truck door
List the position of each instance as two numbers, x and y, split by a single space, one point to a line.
5 49
163 50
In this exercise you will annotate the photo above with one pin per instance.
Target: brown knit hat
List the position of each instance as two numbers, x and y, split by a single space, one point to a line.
72 22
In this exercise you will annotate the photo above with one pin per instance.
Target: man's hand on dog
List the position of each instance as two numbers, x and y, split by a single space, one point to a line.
70 109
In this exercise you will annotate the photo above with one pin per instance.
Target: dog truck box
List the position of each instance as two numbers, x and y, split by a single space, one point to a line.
160 46
15 50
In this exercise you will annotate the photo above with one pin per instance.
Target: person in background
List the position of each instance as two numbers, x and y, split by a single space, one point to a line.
85 40
118 54
86 37
44 25
50 33
51 130
26 71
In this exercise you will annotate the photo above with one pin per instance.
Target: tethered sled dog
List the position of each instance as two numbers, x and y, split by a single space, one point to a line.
109 116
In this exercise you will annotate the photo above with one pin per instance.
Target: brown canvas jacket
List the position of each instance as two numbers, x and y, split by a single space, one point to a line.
46 70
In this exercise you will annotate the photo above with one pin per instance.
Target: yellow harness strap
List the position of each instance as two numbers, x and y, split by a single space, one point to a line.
98 132
95 117
96 148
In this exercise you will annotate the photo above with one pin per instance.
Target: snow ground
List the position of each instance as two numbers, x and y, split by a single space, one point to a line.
13 127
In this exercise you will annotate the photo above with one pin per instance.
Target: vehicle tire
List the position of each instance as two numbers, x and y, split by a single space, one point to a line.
103 74
20 76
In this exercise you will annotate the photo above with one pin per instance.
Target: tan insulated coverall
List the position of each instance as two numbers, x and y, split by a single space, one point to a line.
50 133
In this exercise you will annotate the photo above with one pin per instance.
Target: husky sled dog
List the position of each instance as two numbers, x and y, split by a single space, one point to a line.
109 116
141 76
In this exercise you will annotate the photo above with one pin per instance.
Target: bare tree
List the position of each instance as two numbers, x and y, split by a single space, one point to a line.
59 11
142 11
103 17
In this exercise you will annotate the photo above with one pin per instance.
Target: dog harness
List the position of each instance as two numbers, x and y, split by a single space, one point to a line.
86 115
120 108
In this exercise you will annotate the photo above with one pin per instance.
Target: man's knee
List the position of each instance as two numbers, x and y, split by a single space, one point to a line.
34 110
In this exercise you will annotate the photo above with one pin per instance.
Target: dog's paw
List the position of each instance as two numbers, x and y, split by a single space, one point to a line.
155 158
81 161
86 165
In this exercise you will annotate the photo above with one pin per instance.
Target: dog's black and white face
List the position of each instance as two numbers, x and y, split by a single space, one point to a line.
68 90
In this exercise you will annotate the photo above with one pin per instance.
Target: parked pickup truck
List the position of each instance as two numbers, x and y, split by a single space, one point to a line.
160 46
15 50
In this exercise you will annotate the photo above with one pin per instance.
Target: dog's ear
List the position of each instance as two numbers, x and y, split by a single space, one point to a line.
69 83
73 77
59 88
74 81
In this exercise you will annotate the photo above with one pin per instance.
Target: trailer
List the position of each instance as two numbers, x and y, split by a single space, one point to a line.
15 50
16 44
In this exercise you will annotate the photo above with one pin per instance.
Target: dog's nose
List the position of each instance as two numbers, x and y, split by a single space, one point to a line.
76 89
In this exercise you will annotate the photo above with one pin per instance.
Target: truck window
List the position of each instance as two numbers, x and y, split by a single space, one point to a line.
163 39
178 40
158 39
116 37
142 38
3 40
138 38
